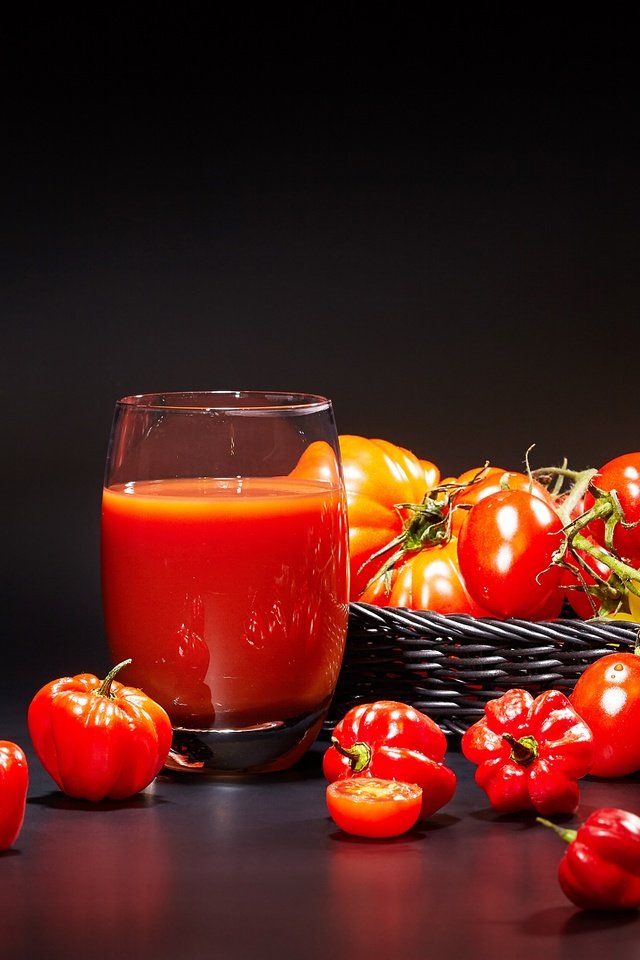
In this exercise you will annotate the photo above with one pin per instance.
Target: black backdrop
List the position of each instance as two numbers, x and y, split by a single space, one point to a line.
435 224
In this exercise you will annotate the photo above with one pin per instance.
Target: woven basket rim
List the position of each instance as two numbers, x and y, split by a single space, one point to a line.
450 665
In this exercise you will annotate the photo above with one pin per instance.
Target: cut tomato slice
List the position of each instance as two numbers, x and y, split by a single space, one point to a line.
372 807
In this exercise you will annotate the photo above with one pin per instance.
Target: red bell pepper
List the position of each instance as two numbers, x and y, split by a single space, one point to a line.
98 739
600 869
530 752
392 741
14 782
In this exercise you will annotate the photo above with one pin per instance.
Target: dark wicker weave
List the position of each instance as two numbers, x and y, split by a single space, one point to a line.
450 666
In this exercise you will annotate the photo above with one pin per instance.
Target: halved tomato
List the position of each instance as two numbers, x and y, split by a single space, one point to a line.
372 807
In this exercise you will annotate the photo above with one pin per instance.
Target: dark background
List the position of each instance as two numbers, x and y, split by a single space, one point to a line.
433 223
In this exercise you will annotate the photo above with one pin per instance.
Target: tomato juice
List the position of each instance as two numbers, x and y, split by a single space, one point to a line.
230 596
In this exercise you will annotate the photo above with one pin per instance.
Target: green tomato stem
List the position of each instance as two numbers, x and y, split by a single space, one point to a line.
627 574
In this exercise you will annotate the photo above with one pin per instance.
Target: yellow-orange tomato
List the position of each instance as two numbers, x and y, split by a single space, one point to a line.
431 580
379 476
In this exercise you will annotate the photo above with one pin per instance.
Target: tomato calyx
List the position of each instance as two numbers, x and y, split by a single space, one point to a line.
523 751
359 754
429 524
104 690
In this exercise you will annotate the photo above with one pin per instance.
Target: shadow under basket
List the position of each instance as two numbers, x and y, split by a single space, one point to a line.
449 666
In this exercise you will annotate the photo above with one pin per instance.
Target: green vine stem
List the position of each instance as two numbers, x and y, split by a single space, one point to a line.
606 508
623 578
429 523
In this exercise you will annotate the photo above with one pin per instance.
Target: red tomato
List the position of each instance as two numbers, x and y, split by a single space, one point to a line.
621 474
505 548
371 807
431 580
378 475
607 697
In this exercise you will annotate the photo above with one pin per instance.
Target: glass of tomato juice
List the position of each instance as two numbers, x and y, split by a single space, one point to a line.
225 569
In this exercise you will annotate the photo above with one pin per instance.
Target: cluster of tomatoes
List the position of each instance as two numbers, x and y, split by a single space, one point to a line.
491 542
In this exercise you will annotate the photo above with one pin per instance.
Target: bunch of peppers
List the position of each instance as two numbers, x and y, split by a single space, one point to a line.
101 739
530 755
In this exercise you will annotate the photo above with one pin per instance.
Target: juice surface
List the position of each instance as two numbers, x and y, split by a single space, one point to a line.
230 595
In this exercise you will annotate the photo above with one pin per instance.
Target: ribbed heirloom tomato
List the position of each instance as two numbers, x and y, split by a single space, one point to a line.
428 580
378 476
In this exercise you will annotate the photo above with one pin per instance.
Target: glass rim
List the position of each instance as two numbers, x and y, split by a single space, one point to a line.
212 401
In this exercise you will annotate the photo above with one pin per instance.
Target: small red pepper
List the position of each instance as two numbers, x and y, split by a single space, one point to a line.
392 741
14 782
600 869
530 752
98 739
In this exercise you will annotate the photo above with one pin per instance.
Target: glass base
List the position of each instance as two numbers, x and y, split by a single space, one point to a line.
262 748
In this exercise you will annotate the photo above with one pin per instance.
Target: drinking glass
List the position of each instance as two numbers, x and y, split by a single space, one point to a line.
225 569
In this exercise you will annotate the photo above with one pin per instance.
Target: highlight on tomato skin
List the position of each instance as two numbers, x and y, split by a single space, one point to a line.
373 807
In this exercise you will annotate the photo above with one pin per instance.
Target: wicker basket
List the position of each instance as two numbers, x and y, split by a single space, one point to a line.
450 666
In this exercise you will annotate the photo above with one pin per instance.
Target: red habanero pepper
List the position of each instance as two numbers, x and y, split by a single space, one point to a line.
392 741
600 869
14 782
530 752
98 739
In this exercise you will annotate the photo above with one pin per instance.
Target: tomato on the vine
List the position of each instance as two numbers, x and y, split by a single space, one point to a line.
505 549
378 476
493 481
371 807
607 697
576 581
621 474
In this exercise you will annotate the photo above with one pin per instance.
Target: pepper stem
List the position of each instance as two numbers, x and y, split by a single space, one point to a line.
104 690
359 755
567 835
523 751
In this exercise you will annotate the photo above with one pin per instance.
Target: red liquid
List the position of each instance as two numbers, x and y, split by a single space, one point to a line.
230 596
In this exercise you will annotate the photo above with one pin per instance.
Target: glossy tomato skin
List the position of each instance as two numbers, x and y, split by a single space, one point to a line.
607 697
505 549
431 580
621 474
374 807
378 476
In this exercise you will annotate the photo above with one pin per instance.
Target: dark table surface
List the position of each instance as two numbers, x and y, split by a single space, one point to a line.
254 868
